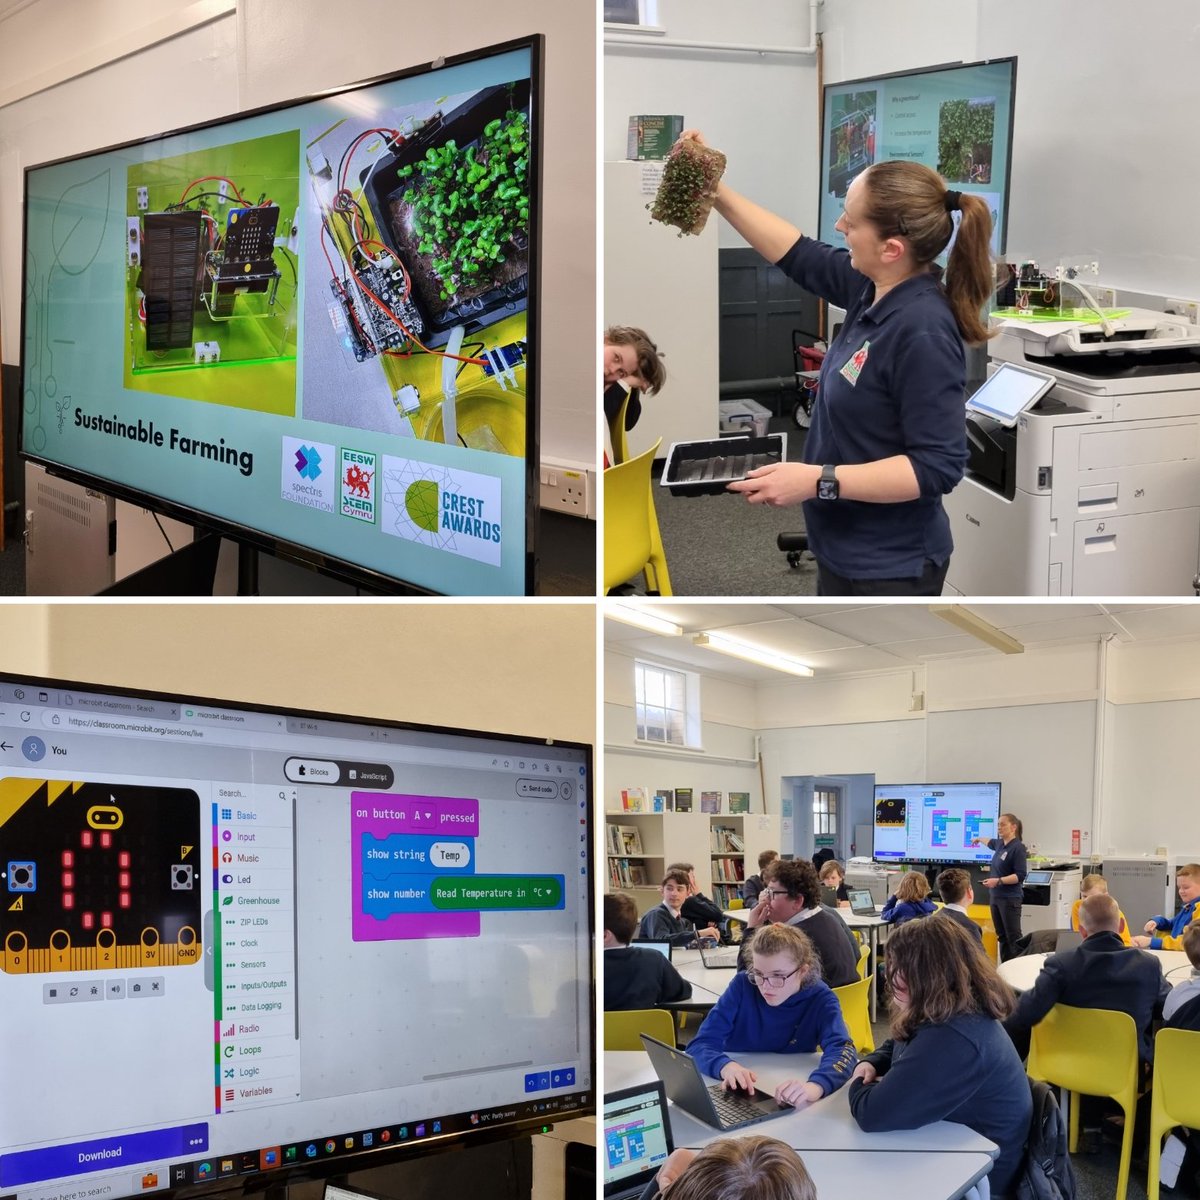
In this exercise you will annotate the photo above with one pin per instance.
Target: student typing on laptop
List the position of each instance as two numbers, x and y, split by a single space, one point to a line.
635 977
781 1005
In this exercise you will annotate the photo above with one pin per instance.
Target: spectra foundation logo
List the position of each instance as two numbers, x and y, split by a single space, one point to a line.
308 475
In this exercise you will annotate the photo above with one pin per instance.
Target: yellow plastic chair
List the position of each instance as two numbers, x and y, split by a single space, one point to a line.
1174 1099
864 953
1090 1052
853 998
621 1029
631 539
616 430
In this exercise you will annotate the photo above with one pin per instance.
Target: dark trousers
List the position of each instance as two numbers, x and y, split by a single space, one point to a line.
1006 916
928 583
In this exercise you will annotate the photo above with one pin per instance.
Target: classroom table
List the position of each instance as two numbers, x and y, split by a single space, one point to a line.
707 982
826 1125
1021 972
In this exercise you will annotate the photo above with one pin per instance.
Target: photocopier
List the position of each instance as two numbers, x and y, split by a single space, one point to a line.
1095 491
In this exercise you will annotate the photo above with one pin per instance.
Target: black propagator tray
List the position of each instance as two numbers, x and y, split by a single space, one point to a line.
705 468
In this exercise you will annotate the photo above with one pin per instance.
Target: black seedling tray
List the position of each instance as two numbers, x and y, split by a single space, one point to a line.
705 468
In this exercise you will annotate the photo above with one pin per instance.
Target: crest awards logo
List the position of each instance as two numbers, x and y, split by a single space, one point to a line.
307 473
447 509
358 484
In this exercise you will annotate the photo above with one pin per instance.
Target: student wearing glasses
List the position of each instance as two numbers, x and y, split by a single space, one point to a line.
780 1004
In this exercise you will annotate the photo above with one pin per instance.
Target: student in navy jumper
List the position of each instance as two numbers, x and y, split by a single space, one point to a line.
635 976
954 887
948 1058
911 900
888 436
665 922
782 1005
1006 874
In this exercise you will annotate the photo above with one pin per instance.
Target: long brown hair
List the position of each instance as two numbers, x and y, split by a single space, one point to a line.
745 1168
908 200
945 975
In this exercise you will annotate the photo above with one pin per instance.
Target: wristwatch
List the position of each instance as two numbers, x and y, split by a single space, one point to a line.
827 485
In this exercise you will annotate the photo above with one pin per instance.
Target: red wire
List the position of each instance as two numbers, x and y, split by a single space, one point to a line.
209 179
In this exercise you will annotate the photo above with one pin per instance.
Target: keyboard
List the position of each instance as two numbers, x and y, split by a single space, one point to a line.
733 1107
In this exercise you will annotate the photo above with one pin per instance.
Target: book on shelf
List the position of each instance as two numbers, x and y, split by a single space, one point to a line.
637 875
664 800
683 799
728 870
739 802
630 837
724 838
625 874
710 802
633 799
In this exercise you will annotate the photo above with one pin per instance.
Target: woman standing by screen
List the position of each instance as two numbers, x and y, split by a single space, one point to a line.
888 436
1006 874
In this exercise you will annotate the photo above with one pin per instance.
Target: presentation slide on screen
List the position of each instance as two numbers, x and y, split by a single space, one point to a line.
227 950
957 120
932 823
311 323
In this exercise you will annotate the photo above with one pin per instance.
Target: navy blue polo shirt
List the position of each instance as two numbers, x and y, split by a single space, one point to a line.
893 382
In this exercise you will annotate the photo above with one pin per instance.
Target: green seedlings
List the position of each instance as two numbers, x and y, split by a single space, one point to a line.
688 186
469 206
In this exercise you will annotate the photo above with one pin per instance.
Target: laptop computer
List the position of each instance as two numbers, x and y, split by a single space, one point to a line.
719 956
713 1104
1067 939
664 948
636 1141
862 904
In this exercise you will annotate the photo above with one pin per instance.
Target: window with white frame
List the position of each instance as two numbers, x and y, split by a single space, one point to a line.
825 810
631 12
667 704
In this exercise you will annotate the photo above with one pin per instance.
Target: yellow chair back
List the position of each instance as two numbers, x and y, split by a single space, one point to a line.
853 998
1174 1099
617 436
864 953
736 903
621 1029
1092 1052
631 538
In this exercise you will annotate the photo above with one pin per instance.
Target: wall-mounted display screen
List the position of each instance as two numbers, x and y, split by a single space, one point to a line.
956 119
312 325
934 822
238 943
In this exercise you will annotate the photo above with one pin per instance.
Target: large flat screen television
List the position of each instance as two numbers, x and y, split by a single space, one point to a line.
956 118
312 327
934 822
240 944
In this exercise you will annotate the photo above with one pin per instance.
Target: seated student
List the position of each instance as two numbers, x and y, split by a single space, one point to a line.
752 887
793 896
635 977
666 923
1099 973
1181 1010
833 877
1088 885
954 887
698 908
1166 933
910 901
737 1168
948 1058
781 1005
631 361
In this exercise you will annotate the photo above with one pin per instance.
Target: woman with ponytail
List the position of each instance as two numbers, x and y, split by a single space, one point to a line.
888 436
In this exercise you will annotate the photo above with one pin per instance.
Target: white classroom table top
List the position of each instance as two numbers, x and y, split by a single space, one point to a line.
708 983
826 1125
1021 972
930 1175
851 919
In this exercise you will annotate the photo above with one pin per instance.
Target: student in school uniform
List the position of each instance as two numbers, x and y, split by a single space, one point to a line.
635 976
1181 1010
910 900
748 1168
780 1004
833 876
752 888
1087 886
954 887
698 908
666 922
1166 933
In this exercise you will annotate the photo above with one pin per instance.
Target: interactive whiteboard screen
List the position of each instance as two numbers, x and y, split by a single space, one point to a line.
310 326
956 119
934 822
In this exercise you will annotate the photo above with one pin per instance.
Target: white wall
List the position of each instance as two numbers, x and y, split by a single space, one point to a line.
760 110
275 50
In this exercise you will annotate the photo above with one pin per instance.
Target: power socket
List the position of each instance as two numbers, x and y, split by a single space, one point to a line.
568 487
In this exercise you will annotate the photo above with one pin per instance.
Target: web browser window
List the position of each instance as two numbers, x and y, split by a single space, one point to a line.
234 940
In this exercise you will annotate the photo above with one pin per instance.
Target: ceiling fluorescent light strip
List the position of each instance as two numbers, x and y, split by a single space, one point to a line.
752 654
643 619
977 627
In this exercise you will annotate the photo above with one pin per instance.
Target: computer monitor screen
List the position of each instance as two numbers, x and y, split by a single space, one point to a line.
239 943
934 822
956 119
310 327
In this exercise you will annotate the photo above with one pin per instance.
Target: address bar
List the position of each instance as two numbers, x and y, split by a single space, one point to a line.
297 744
